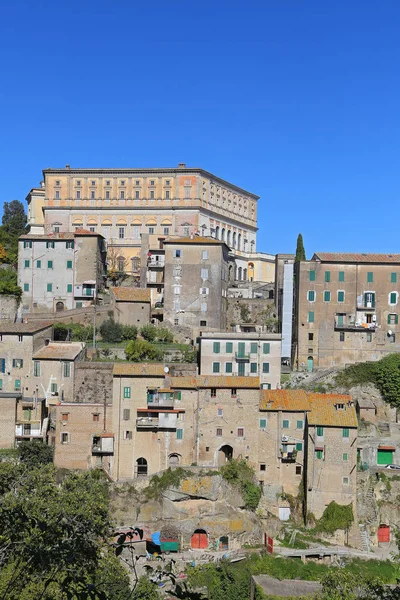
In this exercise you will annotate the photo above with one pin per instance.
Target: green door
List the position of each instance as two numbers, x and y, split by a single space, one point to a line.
241 349
340 320
310 364
241 368
385 457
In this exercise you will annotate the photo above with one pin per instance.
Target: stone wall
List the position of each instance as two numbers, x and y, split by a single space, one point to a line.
8 307
255 310
93 382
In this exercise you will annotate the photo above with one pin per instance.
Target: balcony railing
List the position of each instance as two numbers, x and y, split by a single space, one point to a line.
147 422
163 399
242 356
355 326
156 264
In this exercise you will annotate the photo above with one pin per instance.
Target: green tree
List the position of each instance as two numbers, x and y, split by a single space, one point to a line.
129 332
146 590
387 376
14 218
111 331
8 283
34 453
149 332
164 335
140 350
300 252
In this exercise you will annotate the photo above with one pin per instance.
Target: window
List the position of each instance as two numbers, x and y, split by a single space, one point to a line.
167 182
20 338
312 275
345 432
220 412
219 432
341 336
64 416
121 233
393 277
370 277
127 435
78 305
177 253
228 367
233 393
311 317
38 264
393 298
298 469
179 434
299 446
311 296
49 264
92 195
137 195
96 417
17 363
17 385
69 264
126 414
263 467
216 367
167 194
229 347
107 195
310 337
203 307
327 276
64 437
204 273
341 276
122 182
78 182
240 432
393 319
151 194
263 423
319 454
165 230
345 480
36 368
300 425
152 182
265 368
176 322
253 367
54 388
127 392
27 264
49 287
216 347
2 365
253 348
345 456
369 337
203 323
27 244
67 369
213 392
69 288
340 296
69 245
285 424
327 296
78 195
320 431
26 287
392 338
204 255
266 348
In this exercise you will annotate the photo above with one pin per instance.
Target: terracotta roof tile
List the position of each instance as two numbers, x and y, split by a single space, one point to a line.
31 327
59 351
324 413
288 400
215 381
196 239
128 294
139 369
343 257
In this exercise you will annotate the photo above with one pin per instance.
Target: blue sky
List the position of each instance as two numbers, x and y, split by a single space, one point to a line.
295 100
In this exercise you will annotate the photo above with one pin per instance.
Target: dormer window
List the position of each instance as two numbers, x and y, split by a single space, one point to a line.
339 406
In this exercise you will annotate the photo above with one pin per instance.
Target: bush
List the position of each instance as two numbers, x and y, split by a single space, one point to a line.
239 474
164 335
74 331
149 333
336 516
34 453
111 331
129 332
8 283
139 350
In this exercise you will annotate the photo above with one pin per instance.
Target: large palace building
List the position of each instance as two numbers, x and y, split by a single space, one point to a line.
124 204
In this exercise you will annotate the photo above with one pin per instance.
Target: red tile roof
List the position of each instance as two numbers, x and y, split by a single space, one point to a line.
343 257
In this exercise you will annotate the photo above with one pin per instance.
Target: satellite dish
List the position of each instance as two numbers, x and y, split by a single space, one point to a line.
390 332
166 370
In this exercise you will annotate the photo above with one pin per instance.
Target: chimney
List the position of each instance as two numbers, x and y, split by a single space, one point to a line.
42 184
181 165
67 166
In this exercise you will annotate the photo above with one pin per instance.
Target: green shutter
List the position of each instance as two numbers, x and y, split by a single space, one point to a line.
311 317
54 388
346 432
49 287
285 424
393 277
38 264
127 392
216 347
393 298
340 296
345 456
299 425
311 296
266 348
253 367
36 368
27 264
253 348
228 367
215 367
265 367
241 349
319 454
327 276
341 276
69 264
320 431
228 347
263 423
69 288
370 277
49 264
312 275
26 287
299 446
179 434
327 296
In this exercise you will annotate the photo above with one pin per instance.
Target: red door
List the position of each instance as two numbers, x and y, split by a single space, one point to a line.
384 533
199 540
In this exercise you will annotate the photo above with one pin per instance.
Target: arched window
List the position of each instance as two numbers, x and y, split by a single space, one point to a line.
228 237
217 233
141 467
234 239
174 460
223 234
239 244
244 274
240 274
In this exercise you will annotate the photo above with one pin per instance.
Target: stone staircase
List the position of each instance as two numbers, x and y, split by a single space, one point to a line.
365 539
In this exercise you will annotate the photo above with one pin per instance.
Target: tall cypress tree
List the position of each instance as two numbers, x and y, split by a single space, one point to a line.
300 252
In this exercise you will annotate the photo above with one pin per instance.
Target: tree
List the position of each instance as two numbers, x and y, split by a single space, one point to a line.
3 254
14 218
111 331
387 376
148 332
129 332
34 453
140 350
117 264
164 335
300 252
145 590
8 283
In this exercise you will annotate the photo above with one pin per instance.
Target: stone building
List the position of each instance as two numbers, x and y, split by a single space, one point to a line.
242 354
59 271
22 418
132 306
124 204
196 282
346 309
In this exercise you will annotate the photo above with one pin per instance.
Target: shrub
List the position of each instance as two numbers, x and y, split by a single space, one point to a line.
139 350
129 332
164 335
336 516
111 331
8 283
239 474
34 453
149 333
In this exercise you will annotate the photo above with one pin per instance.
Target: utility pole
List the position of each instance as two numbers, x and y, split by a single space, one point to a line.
94 318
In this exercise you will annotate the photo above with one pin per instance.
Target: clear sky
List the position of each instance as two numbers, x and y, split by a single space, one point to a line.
297 101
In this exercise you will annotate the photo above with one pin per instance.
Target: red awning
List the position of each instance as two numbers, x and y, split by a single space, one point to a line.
391 448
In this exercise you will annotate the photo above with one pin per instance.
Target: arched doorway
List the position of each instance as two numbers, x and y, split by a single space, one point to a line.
59 306
244 274
174 460
141 467
199 539
217 233
310 364
239 245
250 271
224 542
225 453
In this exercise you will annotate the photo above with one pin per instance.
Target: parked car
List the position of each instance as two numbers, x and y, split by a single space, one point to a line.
394 467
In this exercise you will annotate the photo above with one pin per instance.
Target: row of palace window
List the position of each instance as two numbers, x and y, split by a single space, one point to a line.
392 318
229 237
266 348
216 368
121 183
368 297
370 276
51 244
108 195
18 363
50 264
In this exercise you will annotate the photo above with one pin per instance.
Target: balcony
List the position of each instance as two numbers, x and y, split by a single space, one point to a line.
162 399
352 325
153 263
288 457
241 356
147 422
103 445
